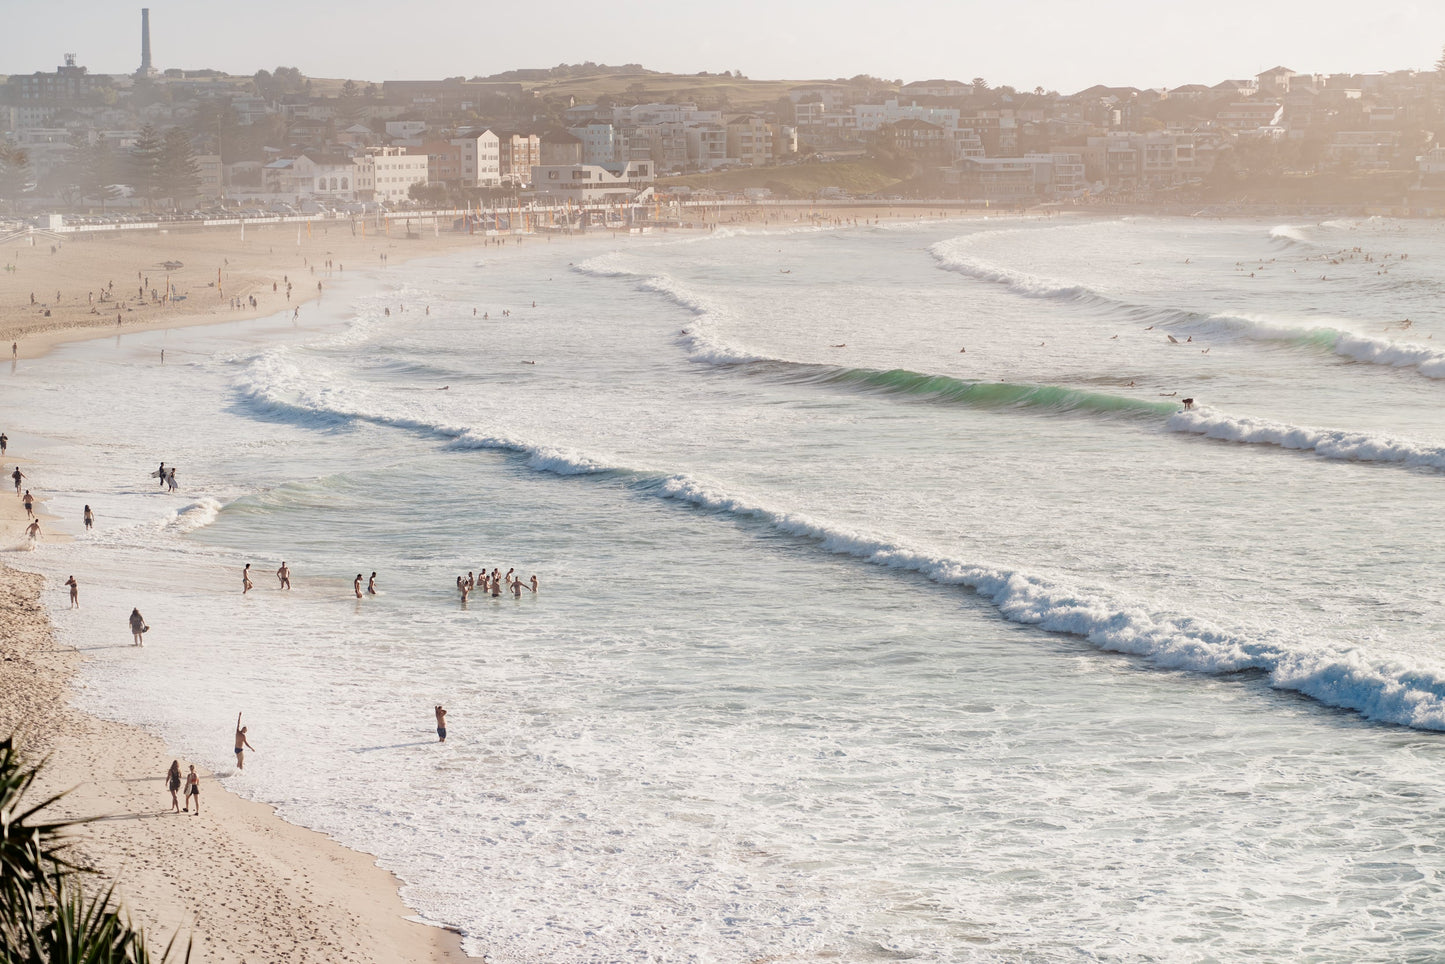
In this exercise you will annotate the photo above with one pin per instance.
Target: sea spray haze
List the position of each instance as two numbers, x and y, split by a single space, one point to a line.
892 603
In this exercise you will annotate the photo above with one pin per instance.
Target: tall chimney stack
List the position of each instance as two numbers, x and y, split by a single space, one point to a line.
145 40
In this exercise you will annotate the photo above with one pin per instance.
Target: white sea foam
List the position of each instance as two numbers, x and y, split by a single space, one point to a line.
1380 690
1290 234
197 515
1369 349
699 339
1343 446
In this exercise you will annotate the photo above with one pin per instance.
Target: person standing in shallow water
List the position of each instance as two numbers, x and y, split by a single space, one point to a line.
89 518
441 724
356 586
74 592
246 579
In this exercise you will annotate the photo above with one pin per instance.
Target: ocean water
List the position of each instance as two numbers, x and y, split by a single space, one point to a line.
892 605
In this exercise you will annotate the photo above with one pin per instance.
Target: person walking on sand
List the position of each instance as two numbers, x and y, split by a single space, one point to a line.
241 744
74 592
193 790
371 585
138 626
89 518
356 585
4 441
17 475
284 575
173 784
441 724
246 579
171 479
161 474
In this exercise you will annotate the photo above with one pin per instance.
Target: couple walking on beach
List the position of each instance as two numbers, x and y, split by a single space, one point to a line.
192 784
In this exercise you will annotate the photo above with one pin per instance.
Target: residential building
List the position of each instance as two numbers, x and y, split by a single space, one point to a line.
560 148
1363 150
873 116
212 174
749 141
392 172
481 158
602 143
517 154
69 86
917 139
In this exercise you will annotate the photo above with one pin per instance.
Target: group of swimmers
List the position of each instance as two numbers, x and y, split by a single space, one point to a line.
494 582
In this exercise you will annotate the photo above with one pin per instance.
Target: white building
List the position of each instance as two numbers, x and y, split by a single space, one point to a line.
873 116
481 158
391 172
591 182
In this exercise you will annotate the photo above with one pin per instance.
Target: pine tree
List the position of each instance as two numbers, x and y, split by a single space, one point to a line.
99 170
348 106
1440 64
14 172
145 162
180 177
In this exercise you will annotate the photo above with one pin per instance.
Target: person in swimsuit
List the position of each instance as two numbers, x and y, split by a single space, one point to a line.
29 505
193 790
137 626
371 585
241 744
89 518
34 530
284 575
246 579
173 784
534 583
74 592
356 585
441 724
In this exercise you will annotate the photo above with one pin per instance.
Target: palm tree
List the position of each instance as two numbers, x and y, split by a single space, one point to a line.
45 915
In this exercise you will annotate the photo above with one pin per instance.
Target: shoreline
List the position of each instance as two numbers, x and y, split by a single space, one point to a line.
240 880
244 882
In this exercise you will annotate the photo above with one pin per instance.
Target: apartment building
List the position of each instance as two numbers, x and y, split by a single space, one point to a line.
479 158
870 117
918 139
517 154
749 141
391 171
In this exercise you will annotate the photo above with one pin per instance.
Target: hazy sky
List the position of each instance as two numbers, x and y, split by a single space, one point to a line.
1058 44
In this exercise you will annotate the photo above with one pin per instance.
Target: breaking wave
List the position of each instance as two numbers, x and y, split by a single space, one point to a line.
1367 349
